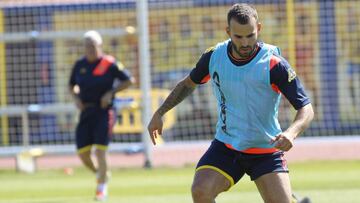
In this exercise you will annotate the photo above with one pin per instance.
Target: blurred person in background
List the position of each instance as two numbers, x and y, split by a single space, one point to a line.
94 80
248 78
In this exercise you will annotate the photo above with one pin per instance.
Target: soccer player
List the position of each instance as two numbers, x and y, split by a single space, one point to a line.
248 78
93 85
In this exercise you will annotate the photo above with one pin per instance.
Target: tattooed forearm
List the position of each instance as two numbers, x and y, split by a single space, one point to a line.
179 93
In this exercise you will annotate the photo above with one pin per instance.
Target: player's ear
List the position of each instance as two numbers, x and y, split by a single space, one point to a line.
259 26
228 30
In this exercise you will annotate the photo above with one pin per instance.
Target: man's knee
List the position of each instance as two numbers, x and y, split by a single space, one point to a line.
204 191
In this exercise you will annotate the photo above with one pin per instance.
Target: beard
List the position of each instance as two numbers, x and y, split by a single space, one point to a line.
244 52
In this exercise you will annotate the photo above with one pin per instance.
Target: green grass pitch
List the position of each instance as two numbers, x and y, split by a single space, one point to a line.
324 182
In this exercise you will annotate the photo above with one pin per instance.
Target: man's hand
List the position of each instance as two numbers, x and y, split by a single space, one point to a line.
155 127
183 89
283 142
106 99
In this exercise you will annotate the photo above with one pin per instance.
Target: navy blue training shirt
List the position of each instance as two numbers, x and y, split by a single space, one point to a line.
95 79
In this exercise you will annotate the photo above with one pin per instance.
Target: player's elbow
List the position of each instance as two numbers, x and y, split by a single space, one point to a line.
189 83
130 82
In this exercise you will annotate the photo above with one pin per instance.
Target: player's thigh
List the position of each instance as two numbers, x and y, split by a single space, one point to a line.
217 169
210 181
83 136
100 154
102 129
274 187
85 155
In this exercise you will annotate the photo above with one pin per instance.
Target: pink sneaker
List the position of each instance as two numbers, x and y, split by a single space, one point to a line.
101 196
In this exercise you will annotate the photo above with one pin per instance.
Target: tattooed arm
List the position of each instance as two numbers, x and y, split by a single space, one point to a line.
183 89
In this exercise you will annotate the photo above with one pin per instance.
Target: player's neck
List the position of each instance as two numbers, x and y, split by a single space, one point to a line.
92 59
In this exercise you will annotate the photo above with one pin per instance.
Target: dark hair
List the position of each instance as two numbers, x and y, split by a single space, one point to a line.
242 13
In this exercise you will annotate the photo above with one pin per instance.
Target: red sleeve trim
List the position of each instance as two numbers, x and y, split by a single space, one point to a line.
205 79
275 88
274 61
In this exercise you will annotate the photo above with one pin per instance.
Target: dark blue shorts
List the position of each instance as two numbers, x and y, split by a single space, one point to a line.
94 128
234 164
